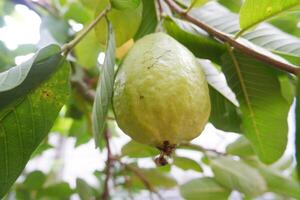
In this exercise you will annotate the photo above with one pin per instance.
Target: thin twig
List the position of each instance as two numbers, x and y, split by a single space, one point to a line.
141 177
69 46
109 162
237 45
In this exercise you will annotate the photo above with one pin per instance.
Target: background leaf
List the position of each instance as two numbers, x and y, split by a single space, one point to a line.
239 176
264 109
255 11
137 150
25 123
155 177
125 4
105 88
205 189
85 191
149 19
240 147
186 163
35 180
56 191
276 182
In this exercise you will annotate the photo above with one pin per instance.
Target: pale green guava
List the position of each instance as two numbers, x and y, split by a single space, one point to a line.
160 93
125 23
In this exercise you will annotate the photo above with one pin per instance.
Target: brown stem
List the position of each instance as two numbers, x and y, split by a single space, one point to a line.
105 195
237 45
141 177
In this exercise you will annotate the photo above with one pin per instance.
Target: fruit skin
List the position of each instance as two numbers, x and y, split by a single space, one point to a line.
160 92
125 23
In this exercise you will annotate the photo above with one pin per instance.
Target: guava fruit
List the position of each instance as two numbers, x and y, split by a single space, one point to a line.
125 23
161 96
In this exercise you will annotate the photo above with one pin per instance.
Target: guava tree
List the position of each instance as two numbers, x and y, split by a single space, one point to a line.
170 67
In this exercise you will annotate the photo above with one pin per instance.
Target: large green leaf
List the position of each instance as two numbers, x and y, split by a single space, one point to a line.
264 109
254 12
238 176
298 128
205 189
25 122
149 19
105 88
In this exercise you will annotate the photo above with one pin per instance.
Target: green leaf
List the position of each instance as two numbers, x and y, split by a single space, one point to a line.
81 131
240 147
205 189
264 109
125 4
149 19
16 75
25 123
265 35
155 178
238 176
195 39
56 191
35 180
254 12
84 190
197 3
20 80
104 88
87 51
187 163
224 112
137 150
59 29
280 184
297 121
233 5
74 8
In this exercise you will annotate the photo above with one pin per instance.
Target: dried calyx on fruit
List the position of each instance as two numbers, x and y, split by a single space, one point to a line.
161 96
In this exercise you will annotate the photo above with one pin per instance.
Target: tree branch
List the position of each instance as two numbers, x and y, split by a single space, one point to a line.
227 39
141 177
69 46
109 162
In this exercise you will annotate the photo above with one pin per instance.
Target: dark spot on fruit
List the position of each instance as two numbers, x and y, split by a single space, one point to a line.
141 96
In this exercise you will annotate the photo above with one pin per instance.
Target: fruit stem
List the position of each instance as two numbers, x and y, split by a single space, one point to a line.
69 46
165 151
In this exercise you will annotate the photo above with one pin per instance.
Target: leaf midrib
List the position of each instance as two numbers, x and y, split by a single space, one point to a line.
247 98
